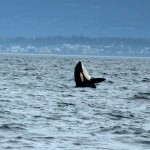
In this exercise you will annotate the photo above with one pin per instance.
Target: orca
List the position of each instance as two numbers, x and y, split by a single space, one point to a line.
83 79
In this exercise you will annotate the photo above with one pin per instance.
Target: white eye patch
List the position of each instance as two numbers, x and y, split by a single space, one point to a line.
81 76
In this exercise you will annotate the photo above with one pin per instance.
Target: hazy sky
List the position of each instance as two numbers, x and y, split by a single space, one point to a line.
31 18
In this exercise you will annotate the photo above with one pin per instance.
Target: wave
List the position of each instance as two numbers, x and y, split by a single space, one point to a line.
118 115
12 127
146 80
142 96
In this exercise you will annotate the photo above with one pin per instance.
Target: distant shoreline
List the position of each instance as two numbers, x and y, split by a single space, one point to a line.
77 45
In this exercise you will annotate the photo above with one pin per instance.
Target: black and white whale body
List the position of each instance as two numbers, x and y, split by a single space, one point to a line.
83 79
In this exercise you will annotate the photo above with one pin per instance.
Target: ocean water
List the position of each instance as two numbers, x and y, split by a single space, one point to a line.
40 108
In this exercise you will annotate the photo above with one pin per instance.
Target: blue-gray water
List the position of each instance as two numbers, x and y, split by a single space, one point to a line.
40 108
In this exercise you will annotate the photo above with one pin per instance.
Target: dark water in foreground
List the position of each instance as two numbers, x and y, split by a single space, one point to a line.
40 108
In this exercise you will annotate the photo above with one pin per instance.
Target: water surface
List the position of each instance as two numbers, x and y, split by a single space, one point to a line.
40 108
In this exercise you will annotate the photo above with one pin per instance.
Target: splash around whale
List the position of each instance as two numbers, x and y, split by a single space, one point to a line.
83 79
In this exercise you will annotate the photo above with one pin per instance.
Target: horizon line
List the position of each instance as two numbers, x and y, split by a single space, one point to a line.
73 36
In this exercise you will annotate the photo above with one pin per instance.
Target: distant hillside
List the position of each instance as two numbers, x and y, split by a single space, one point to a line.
77 45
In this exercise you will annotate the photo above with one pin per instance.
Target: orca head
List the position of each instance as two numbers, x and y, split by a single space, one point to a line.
79 66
